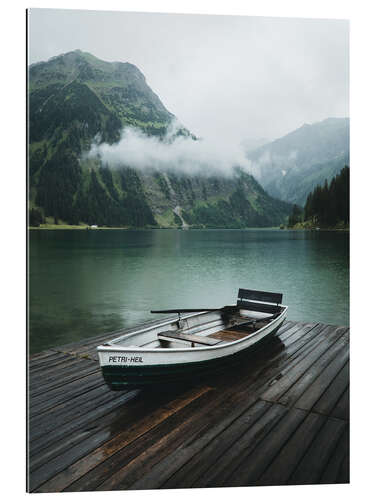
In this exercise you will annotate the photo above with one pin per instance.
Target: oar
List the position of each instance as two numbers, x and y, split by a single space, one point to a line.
172 311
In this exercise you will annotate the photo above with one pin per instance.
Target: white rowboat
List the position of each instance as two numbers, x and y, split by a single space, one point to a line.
193 345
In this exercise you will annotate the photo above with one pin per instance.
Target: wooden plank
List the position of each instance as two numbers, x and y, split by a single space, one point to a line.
177 466
303 335
129 434
337 468
344 471
61 416
341 410
121 480
53 368
64 437
276 298
182 310
286 326
229 452
90 353
201 427
173 423
196 339
82 449
77 391
292 452
40 355
49 385
46 361
332 394
75 388
44 424
60 372
229 335
298 348
258 306
287 379
221 450
311 385
254 463
84 350
314 462
297 330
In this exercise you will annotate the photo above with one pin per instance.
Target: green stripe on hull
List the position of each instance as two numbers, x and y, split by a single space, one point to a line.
124 377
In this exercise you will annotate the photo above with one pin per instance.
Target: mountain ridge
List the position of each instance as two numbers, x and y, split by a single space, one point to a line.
76 99
291 166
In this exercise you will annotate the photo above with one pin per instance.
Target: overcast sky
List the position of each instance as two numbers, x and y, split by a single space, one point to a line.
223 76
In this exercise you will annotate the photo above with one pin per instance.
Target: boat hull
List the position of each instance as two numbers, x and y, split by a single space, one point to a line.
124 369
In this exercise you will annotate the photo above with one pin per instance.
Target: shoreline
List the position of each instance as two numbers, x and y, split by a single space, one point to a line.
106 228
319 229
80 228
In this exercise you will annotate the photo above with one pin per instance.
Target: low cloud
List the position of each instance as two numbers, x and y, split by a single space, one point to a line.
174 152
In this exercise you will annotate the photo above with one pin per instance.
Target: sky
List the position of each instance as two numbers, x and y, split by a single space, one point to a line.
238 78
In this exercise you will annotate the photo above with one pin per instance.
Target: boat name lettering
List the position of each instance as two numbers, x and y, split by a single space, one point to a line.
125 359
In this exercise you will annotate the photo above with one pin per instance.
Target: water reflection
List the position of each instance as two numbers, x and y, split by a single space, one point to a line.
85 282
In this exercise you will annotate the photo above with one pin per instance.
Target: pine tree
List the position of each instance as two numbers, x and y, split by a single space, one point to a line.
295 216
329 205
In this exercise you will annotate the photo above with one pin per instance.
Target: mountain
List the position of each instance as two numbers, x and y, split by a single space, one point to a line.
76 99
290 167
117 91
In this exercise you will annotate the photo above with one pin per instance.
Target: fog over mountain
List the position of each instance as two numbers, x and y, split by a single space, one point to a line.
180 153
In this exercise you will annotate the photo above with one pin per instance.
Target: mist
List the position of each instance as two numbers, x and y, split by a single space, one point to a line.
174 152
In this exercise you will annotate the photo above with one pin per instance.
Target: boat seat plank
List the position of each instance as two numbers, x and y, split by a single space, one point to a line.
258 306
196 339
229 335
264 301
260 296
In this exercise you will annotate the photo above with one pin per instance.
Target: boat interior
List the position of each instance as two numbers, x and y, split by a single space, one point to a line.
209 327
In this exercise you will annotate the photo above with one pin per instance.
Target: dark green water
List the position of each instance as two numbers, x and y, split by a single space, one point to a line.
83 283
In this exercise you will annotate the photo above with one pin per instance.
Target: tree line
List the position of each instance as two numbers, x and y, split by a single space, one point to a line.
65 193
326 205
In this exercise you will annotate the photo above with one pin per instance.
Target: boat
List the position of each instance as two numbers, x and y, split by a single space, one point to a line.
193 344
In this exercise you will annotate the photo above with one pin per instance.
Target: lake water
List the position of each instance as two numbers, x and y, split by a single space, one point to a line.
84 283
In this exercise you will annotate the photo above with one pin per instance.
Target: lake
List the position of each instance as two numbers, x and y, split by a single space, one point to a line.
84 283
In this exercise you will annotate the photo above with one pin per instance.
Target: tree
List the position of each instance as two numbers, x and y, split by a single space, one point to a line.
35 217
329 205
295 216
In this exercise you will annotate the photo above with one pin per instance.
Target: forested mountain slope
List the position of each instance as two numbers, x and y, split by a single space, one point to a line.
290 167
76 100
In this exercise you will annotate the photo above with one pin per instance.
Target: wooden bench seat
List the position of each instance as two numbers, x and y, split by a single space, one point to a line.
194 339
267 302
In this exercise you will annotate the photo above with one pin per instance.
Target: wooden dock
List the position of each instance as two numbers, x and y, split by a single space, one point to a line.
281 418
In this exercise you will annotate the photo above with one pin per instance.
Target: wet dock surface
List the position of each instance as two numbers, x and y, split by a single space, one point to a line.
281 417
